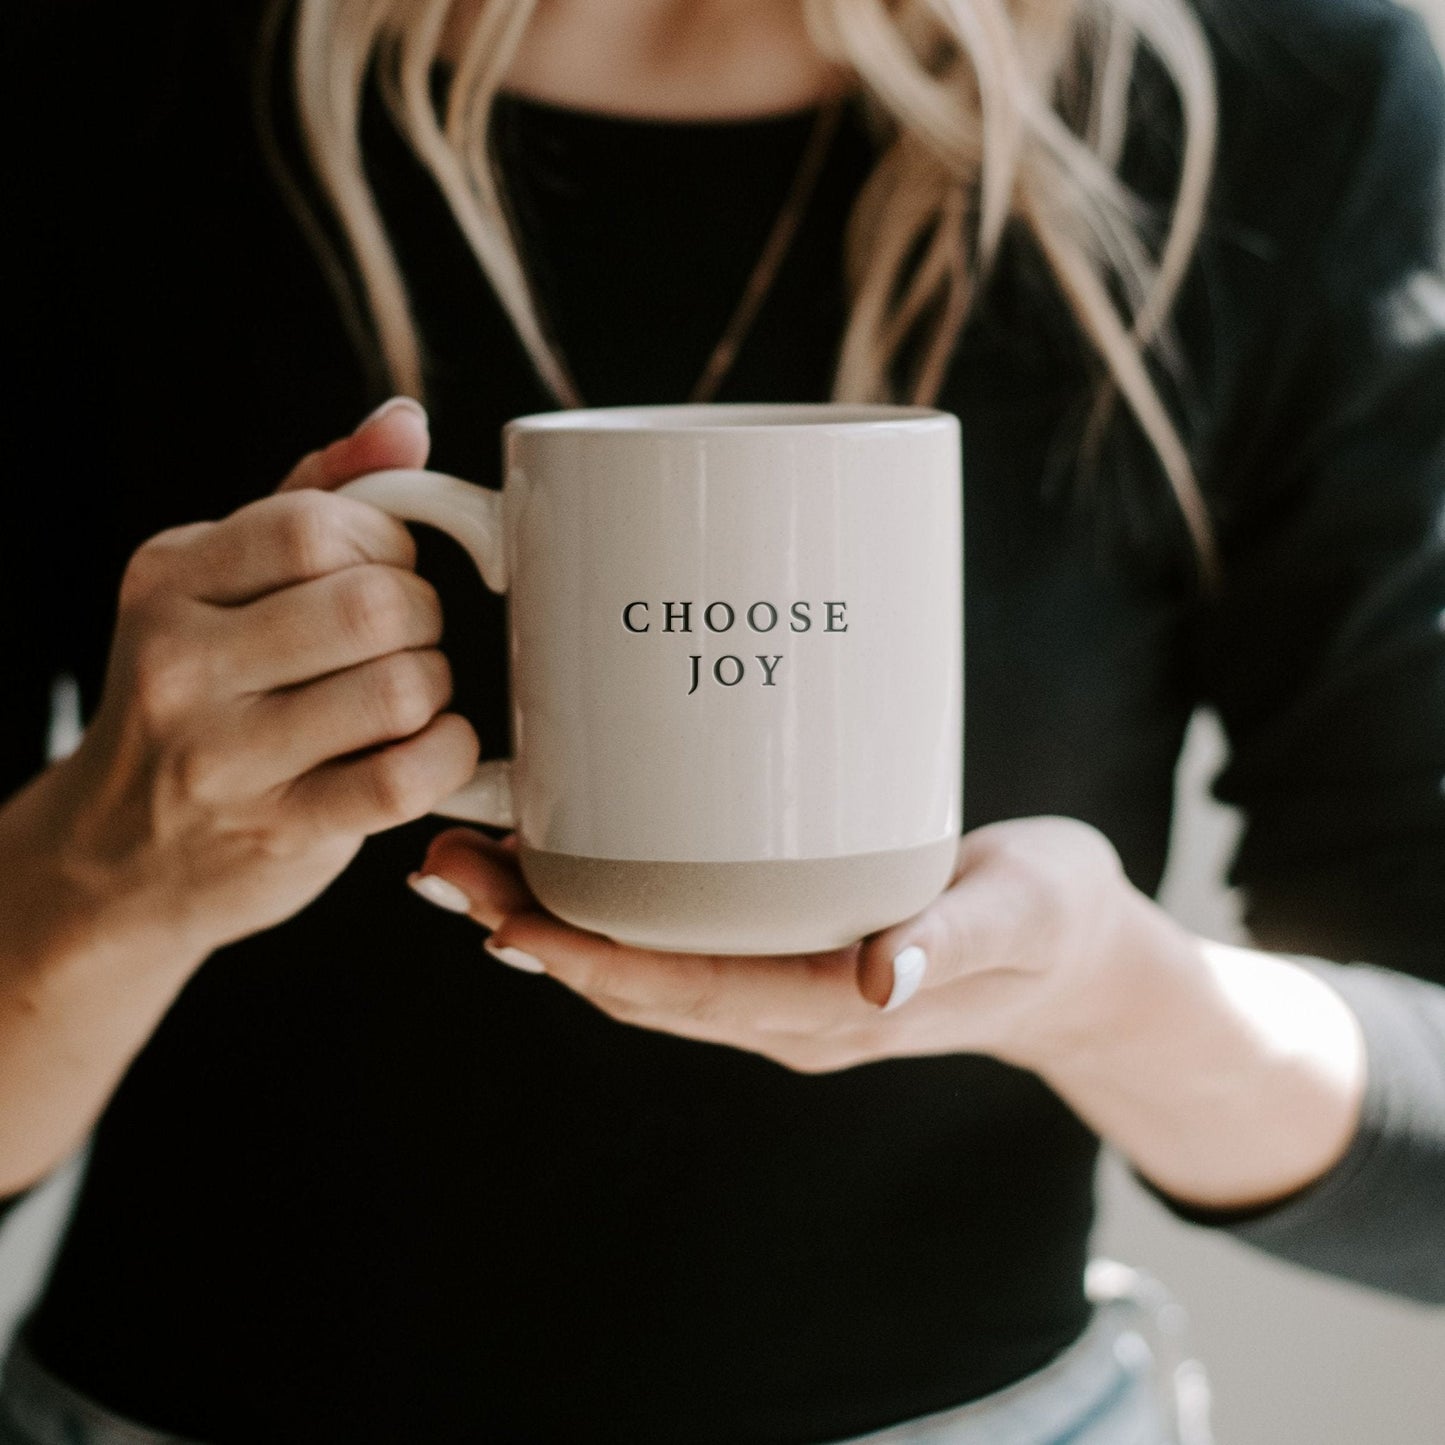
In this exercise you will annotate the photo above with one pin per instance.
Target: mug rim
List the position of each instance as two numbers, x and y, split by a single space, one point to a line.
733 418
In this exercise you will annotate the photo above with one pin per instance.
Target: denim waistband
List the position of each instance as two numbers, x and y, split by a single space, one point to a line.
1127 1378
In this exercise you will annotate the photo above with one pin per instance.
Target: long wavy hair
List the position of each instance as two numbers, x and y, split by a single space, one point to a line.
987 112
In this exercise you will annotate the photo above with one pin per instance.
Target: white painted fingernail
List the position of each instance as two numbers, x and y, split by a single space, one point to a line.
515 957
439 891
395 403
909 967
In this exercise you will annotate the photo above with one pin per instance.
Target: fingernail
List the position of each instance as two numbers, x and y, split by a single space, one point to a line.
395 403
515 957
909 966
439 891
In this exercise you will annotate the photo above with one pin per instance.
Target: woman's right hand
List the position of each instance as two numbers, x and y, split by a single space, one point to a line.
274 695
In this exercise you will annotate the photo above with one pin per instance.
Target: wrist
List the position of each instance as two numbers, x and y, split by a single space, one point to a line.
85 977
1110 997
67 904
1229 1077
1148 972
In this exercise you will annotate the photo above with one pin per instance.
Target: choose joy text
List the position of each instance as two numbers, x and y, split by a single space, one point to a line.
730 668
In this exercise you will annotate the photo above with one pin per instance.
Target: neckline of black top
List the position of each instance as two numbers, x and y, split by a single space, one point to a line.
597 149
583 118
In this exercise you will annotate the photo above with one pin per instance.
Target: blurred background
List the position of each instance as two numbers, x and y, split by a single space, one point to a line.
1294 1359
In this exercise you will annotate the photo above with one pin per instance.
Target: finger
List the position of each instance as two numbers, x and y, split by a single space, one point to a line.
396 434
486 871
985 919
272 544
327 624
395 784
284 734
697 1029
735 994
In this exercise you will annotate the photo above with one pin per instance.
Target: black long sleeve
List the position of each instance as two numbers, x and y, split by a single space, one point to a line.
1326 653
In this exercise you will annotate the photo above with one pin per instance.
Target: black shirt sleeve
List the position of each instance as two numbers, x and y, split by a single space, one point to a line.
1325 657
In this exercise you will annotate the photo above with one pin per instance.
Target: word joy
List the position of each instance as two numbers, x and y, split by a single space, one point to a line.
730 669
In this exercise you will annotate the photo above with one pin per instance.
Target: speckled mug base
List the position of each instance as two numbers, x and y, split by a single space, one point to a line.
773 906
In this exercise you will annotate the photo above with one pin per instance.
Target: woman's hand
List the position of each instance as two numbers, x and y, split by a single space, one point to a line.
1229 1077
274 694
1023 952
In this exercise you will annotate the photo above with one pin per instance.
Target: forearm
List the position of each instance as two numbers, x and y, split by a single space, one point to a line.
84 980
1229 1077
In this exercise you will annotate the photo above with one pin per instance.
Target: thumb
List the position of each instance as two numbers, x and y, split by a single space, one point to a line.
394 435
952 936
483 870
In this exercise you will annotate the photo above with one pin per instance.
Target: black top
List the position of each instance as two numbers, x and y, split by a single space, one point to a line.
366 1183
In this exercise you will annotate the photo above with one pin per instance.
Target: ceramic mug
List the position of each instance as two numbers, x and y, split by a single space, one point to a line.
735 642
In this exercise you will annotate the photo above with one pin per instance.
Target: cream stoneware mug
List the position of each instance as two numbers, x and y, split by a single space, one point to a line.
735 648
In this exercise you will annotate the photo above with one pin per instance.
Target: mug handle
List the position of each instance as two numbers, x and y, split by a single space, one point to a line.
472 515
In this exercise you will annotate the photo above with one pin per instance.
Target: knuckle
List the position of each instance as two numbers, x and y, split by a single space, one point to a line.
401 784
196 769
392 785
374 608
438 673
140 575
404 694
310 534
380 535
426 608
460 749
150 566
167 673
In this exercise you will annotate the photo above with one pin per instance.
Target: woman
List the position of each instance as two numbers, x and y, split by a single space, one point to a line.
1178 273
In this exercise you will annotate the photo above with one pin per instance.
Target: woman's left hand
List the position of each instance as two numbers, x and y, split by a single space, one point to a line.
1227 1076
1027 952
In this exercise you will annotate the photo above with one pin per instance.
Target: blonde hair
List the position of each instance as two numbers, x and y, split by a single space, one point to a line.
987 112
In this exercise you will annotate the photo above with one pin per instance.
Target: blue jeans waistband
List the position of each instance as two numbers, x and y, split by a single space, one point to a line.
1127 1380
